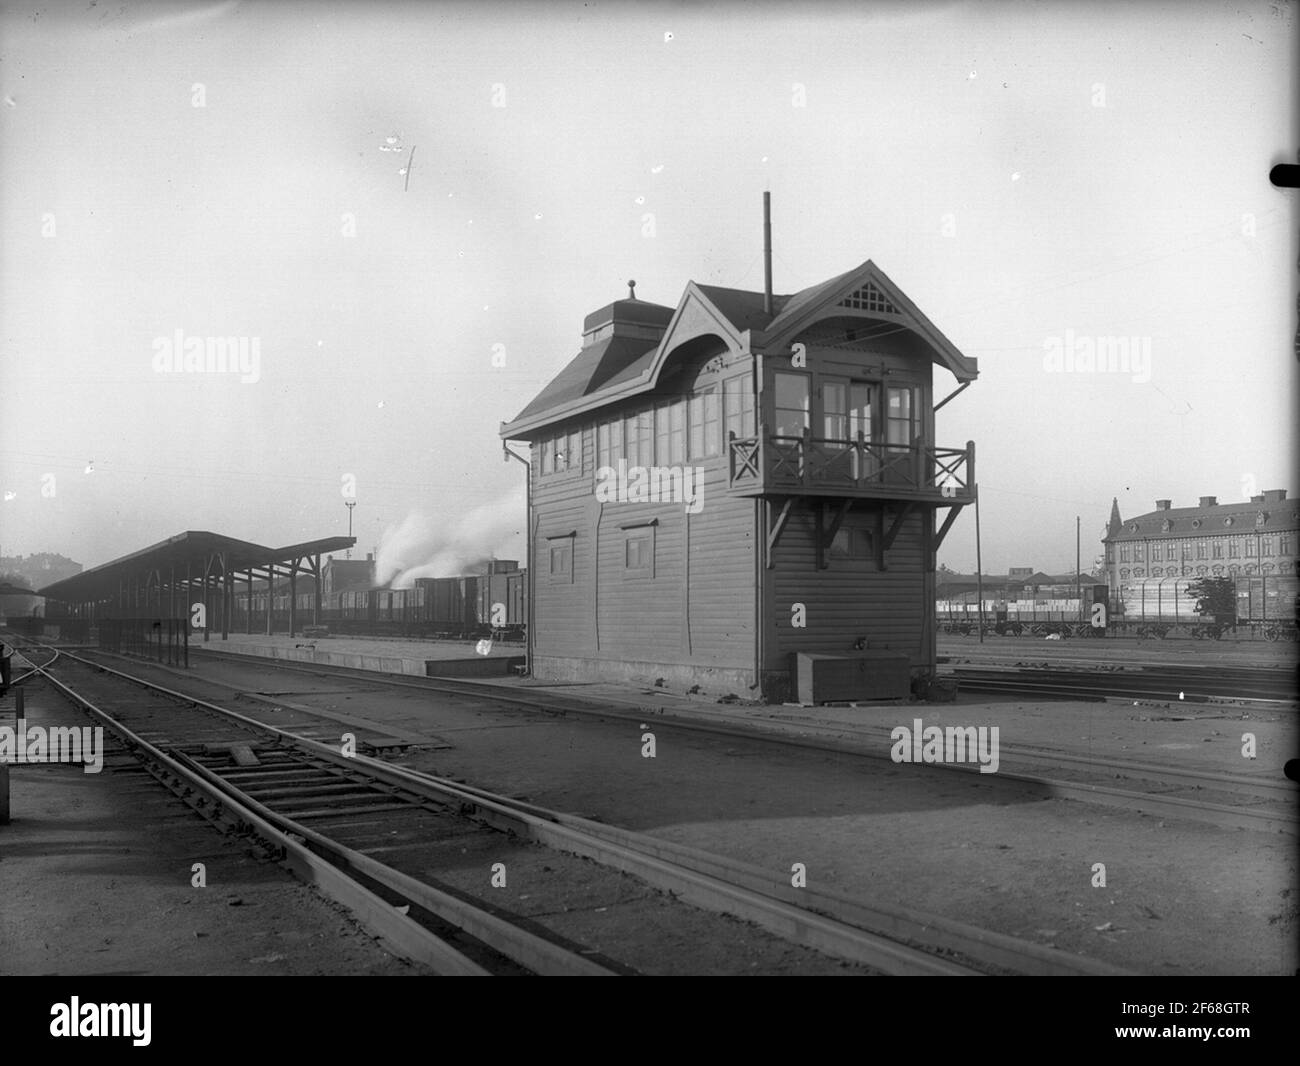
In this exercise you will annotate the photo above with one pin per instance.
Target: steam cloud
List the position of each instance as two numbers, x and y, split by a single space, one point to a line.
420 546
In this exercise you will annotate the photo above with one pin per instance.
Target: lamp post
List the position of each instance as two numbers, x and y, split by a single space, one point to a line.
349 504
532 562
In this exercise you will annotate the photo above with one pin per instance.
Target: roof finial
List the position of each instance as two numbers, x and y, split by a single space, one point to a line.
631 290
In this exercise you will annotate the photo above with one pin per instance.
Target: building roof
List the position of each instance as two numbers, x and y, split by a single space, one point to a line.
1220 518
624 364
602 365
193 548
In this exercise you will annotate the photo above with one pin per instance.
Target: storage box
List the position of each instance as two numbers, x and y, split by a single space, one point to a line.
862 675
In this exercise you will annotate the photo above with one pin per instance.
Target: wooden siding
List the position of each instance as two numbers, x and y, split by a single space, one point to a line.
891 608
697 608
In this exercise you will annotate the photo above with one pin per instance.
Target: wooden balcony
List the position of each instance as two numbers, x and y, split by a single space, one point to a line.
769 465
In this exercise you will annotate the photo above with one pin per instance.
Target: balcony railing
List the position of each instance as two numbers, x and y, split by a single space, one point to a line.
826 467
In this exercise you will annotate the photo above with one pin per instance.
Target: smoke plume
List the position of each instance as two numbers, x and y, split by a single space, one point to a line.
420 546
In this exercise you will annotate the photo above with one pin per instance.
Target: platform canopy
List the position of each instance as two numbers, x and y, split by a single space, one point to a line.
189 555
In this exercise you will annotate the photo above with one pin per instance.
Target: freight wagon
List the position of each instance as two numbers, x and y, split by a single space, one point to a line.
492 603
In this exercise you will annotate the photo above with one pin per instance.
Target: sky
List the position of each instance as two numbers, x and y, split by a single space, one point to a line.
1035 176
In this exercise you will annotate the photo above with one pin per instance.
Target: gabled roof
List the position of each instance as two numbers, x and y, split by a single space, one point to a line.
868 285
618 367
740 307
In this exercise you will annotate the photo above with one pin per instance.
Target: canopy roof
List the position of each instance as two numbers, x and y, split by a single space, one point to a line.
193 549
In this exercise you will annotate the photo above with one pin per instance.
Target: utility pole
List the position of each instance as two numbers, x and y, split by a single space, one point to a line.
979 566
1078 578
349 504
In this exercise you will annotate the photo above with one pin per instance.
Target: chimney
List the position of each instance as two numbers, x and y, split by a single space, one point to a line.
1274 495
1208 501
370 557
1163 505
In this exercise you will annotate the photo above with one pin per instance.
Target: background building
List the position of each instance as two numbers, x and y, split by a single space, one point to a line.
1248 538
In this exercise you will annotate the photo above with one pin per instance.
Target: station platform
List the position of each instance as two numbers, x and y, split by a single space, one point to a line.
418 658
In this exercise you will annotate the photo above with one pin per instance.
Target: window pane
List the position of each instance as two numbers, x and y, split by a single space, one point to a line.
696 416
602 444
712 422
574 452
677 428
662 451
645 429
638 553
835 418
860 410
562 557
898 422
791 393
731 408
615 441
548 455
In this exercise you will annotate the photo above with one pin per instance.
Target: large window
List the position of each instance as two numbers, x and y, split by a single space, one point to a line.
670 433
640 552
573 450
790 404
835 410
610 442
562 452
738 407
899 415
704 423
640 438
851 543
1123 553
560 552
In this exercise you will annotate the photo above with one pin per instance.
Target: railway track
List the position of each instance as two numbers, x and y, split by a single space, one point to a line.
329 815
1176 683
1170 792
1217 799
